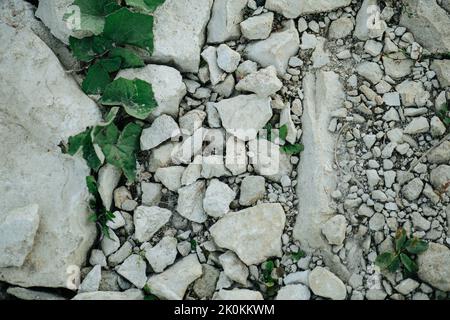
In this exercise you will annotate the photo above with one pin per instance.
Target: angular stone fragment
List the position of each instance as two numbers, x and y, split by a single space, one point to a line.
325 284
292 9
190 202
225 18
148 220
433 266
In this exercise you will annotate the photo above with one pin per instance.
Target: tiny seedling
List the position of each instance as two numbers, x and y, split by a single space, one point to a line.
444 114
404 253
289 148
296 256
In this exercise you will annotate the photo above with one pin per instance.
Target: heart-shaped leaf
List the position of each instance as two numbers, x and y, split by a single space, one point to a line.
416 246
409 264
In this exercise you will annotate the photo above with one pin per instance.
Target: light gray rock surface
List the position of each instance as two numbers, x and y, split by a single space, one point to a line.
225 19
433 266
148 220
325 284
293 9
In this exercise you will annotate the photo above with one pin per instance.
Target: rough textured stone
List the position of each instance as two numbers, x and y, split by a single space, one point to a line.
292 9
334 230
433 266
277 49
163 254
190 202
317 178
368 22
218 197
442 69
253 188
238 294
257 27
225 18
42 106
108 179
234 268
172 283
429 24
325 284
294 292
133 269
263 82
131 294
205 286
256 232
148 220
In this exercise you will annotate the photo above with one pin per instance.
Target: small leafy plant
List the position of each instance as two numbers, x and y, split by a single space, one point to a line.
288 148
444 114
405 251
296 256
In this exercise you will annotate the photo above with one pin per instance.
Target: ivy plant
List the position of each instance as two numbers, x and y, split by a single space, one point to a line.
405 250
444 114
289 148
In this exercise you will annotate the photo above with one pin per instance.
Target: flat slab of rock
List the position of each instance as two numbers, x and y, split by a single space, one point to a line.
429 23
167 85
243 116
317 178
238 294
276 49
179 32
148 220
190 202
172 283
434 266
41 106
130 294
256 232
442 69
162 254
292 9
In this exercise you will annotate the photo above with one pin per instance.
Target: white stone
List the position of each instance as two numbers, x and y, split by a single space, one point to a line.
334 230
392 99
433 266
238 294
148 220
442 69
321 55
417 125
293 8
253 188
172 283
163 254
277 49
218 197
185 21
257 27
167 86
130 294
412 93
214 167
413 189
397 67
133 269
97 258
151 193
170 177
371 71
294 292
110 244
236 159
227 59
407 286
192 146
325 284
216 74
17 232
243 116
41 106
440 154
117 222
162 129
268 161
323 94
256 232
190 202
263 82
108 179
161 156
234 268
340 28
92 280
437 128
286 119
368 21
225 19
192 121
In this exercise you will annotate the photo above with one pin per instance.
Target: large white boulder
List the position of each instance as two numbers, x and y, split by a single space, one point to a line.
292 9
317 177
42 106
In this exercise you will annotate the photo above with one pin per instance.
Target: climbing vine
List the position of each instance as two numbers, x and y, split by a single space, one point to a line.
119 29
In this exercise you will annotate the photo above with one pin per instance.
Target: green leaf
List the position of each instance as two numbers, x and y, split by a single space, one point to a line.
88 48
409 264
91 185
416 246
136 96
90 155
123 153
292 148
106 135
93 217
395 264
111 64
129 58
127 27
153 4
298 255
95 7
384 260
76 142
268 128
283 132
96 79
400 239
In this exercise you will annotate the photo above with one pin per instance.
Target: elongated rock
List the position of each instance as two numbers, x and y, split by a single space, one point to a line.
256 232
317 178
292 9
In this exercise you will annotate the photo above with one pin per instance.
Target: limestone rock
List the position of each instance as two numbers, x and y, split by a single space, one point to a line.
243 116
227 59
190 202
368 22
216 74
170 177
257 27
442 69
108 179
263 82
91 282
433 266
256 232
317 178
429 24
172 283
133 269
325 284
148 220
238 294
218 197
163 254
236 159
205 286
167 86
440 154
253 188
151 193
334 230
17 232
185 21
162 129
292 9
277 49
234 268
130 294
294 292
225 19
